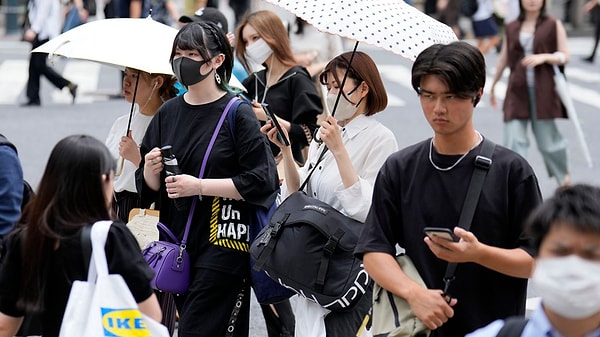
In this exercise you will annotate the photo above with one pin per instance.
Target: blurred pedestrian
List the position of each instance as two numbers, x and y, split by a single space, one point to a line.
44 23
448 12
357 147
284 85
312 48
592 7
426 185
484 26
565 234
240 174
45 256
78 12
533 44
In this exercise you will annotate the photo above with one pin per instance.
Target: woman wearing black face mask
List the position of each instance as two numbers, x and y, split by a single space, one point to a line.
239 171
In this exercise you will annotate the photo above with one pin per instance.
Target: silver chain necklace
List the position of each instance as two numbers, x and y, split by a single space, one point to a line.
459 159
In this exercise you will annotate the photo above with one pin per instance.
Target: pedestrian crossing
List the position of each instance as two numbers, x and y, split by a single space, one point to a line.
584 80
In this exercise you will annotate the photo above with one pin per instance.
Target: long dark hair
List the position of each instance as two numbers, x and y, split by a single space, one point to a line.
71 194
209 40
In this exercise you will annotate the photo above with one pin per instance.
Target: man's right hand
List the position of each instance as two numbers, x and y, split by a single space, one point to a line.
431 307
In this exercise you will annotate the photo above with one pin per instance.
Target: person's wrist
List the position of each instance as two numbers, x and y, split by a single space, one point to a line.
199 189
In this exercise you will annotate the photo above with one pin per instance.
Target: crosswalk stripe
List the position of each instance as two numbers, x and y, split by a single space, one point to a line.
85 74
13 80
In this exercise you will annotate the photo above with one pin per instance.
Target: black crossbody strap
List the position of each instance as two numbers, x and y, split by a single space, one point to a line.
483 162
513 327
86 246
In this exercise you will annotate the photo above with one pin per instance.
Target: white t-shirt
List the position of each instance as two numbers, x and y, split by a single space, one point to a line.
139 123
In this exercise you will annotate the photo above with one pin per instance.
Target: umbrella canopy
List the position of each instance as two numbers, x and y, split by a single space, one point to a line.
562 89
389 24
142 44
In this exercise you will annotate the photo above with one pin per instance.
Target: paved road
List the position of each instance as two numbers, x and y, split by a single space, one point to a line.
36 130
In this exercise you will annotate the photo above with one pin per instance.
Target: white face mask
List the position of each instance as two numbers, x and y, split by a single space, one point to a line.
569 286
259 51
344 109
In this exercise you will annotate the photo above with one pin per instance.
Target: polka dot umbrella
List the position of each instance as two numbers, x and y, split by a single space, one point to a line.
389 24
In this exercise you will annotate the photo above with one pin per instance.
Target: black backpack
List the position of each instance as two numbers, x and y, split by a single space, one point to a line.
308 247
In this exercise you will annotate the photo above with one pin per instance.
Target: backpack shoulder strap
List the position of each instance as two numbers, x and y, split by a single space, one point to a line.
231 117
513 327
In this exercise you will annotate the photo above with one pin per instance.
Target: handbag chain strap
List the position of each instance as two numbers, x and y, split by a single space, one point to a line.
203 167
483 162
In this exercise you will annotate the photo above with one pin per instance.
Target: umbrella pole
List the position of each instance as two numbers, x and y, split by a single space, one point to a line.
337 99
122 160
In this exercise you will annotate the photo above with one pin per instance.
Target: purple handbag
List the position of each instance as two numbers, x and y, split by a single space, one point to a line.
169 258
170 262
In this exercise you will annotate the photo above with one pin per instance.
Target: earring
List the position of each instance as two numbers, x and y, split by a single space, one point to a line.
217 78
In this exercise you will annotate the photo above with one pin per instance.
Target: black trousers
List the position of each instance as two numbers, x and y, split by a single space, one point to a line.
39 67
124 202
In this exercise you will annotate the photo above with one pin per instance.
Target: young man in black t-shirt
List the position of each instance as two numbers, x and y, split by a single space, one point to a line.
425 185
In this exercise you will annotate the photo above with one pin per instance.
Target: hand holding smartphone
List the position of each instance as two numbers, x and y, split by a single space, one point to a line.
280 135
444 233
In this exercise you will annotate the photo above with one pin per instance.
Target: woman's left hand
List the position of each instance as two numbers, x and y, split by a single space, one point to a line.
330 134
182 185
534 60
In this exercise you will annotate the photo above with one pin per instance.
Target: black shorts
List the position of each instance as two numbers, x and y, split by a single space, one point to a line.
206 308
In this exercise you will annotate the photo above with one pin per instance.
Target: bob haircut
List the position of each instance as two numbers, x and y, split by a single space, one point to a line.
271 29
209 40
459 65
363 69
577 206
71 195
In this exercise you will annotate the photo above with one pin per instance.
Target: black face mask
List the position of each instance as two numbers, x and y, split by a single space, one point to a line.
188 70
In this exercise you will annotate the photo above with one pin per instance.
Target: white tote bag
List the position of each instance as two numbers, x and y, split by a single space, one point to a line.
105 307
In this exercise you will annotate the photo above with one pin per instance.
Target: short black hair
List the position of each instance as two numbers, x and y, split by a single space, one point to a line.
459 64
209 40
577 206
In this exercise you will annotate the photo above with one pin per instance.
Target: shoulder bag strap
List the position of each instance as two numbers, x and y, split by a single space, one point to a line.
203 167
483 162
86 245
513 327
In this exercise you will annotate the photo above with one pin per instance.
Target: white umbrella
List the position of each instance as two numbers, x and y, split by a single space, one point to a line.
562 88
389 24
142 44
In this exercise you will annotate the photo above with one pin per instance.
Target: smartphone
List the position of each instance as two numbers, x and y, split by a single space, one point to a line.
444 233
280 135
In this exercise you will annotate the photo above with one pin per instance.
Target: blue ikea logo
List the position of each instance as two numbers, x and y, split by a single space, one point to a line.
123 323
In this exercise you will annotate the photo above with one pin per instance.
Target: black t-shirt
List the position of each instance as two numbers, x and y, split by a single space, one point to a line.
410 194
294 98
66 265
218 236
